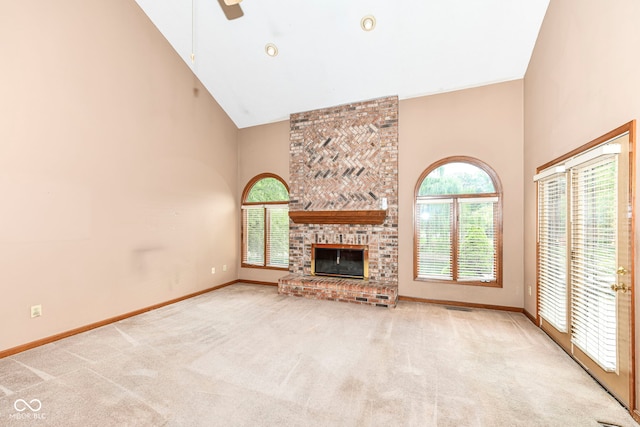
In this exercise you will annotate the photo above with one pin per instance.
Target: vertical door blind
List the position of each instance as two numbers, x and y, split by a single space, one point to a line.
552 250
588 216
593 260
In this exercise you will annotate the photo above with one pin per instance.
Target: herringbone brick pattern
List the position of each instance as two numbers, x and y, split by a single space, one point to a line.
342 165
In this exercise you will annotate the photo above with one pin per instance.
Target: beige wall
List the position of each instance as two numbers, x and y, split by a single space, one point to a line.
262 149
582 82
486 123
118 183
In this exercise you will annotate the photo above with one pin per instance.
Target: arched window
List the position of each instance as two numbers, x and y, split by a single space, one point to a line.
265 223
458 223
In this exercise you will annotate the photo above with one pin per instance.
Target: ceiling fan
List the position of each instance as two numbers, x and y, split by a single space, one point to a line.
231 8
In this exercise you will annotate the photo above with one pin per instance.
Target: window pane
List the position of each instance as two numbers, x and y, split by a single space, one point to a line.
254 229
476 241
268 190
278 237
456 178
433 228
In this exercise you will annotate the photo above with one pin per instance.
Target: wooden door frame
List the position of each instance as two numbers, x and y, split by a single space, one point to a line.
629 127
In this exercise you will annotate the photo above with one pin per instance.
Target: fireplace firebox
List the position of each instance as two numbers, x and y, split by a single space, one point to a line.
348 261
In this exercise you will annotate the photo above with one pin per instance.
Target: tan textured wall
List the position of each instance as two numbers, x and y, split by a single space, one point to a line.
486 123
261 149
118 182
582 82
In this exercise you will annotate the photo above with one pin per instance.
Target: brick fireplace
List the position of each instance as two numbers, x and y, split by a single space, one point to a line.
344 191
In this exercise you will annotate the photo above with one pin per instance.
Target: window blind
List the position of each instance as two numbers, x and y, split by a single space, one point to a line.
552 250
278 236
253 226
593 260
477 239
434 218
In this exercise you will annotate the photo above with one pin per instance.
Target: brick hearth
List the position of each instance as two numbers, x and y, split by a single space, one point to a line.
380 294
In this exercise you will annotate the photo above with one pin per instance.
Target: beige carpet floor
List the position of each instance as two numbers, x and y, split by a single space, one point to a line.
246 356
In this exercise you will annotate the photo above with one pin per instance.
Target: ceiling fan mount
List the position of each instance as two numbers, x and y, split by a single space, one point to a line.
231 9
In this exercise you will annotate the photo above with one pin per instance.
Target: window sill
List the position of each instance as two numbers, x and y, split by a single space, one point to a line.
451 282
264 267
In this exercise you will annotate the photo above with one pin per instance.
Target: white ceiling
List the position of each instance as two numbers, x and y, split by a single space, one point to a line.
418 47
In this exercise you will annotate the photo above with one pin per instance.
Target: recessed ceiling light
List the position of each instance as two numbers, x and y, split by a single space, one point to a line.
271 49
368 23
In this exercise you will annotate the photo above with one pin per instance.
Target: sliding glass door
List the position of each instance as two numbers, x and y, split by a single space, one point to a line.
585 271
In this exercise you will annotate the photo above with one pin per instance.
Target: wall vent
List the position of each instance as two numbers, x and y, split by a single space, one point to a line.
457 308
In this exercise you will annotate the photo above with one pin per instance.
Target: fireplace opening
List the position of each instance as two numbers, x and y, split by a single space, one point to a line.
348 261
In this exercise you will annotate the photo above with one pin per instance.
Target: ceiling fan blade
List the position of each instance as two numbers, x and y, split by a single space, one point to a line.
231 9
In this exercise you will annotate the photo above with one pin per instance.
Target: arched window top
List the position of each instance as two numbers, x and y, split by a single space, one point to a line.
458 223
266 188
460 175
265 223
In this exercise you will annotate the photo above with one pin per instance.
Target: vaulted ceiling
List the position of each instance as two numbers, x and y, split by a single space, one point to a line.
325 58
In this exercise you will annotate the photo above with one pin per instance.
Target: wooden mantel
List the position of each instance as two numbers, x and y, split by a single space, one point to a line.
338 217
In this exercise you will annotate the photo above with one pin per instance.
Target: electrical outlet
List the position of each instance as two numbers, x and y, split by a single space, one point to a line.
36 310
213 270
224 267
529 290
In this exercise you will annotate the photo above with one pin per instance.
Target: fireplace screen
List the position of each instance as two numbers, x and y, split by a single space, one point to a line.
349 261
